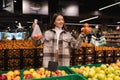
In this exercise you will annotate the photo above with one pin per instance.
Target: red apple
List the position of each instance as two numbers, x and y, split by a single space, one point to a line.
58 73
35 36
3 77
28 76
80 71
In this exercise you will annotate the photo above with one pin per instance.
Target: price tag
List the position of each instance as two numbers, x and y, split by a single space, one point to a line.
52 66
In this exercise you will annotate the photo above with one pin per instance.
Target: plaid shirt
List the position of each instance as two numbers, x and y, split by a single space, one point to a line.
66 41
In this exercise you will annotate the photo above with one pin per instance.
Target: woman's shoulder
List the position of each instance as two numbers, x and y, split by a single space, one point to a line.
49 31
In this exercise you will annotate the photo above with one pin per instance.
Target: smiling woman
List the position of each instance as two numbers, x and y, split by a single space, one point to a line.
57 42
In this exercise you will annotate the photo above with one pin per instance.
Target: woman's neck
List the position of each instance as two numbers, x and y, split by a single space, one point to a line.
57 28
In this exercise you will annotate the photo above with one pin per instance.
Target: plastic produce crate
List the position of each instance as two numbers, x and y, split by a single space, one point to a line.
66 77
6 72
90 65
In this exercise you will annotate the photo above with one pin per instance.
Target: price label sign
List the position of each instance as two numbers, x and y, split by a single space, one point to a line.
52 66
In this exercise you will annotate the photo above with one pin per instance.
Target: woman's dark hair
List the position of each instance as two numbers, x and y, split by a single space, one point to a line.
53 20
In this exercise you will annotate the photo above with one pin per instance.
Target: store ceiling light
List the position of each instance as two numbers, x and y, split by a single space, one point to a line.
109 6
89 19
118 22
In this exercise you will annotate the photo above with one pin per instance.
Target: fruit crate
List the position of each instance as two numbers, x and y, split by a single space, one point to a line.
117 53
99 53
13 64
79 51
13 53
90 50
11 73
66 69
109 53
28 53
68 77
78 66
2 54
100 60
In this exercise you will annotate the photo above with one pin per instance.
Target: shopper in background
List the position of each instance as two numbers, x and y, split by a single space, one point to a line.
87 32
57 41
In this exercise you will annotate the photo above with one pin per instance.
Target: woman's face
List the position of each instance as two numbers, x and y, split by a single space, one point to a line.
59 21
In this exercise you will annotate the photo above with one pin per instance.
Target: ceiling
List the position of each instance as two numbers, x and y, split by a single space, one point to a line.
87 9
90 8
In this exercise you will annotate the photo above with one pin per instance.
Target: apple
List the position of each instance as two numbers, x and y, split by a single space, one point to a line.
108 71
118 64
3 77
16 78
87 68
26 72
109 78
82 67
85 74
116 78
94 79
101 76
42 69
9 77
102 72
54 74
28 76
36 75
35 36
10 73
91 73
63 73
16 72
117 72
89 79
43 76
97 69
103 66
111 68
47 73
31 70
80 71
58 72
111 75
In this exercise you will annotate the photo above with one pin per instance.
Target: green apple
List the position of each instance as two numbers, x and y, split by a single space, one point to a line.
85 74
82 67
102 72
97 69
108 71
101 76
87 68
94 79
111 75
108 78
117 72
91 73
103 66
111 68
116 78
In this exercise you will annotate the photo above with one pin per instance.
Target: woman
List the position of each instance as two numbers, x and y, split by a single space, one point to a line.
57 42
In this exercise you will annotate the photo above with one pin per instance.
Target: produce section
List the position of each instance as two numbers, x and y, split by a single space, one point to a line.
79 72
99 71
